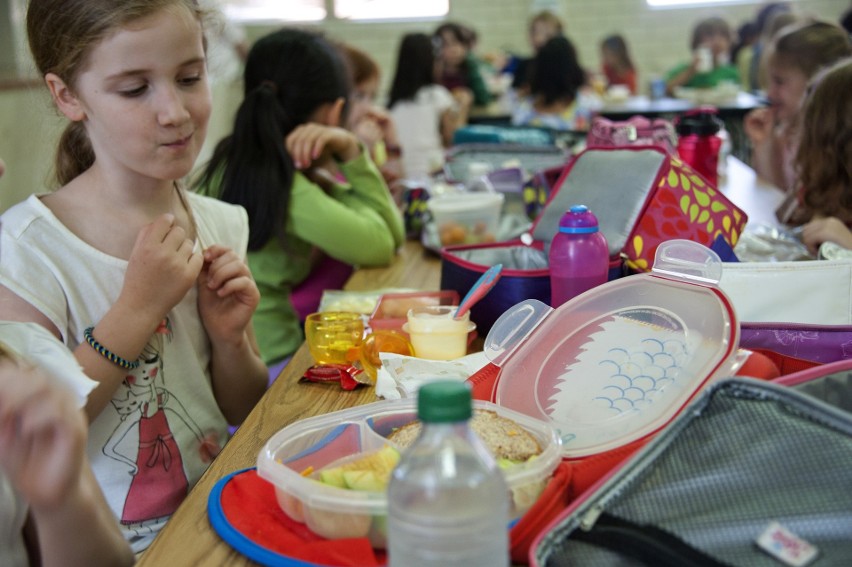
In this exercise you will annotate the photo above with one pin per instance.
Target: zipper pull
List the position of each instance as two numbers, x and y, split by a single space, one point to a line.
590 518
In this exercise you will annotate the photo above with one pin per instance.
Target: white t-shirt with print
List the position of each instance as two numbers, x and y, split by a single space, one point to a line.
163 427
418 127
35 344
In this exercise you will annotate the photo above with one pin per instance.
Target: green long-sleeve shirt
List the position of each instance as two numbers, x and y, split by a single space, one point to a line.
356 222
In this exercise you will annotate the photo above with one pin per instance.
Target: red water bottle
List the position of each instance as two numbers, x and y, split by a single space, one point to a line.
578 257
698 141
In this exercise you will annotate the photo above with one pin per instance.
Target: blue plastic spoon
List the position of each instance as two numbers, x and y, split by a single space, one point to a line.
482 286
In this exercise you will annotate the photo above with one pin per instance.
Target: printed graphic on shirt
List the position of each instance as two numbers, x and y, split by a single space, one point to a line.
150 412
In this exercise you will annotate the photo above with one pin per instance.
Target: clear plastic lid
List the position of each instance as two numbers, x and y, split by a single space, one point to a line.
618 362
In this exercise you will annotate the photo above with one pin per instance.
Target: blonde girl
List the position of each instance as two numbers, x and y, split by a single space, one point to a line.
145 283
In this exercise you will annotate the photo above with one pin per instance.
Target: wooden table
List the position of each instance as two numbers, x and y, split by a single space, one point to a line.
188 538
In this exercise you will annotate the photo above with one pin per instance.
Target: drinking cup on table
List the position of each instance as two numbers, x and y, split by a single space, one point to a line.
435 334
704 59
330 335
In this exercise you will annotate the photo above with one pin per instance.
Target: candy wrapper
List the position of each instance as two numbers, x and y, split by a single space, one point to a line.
400 376
345 375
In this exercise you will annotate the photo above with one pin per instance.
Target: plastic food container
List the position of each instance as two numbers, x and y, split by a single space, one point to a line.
618 362
466 218
435 334
332 439
392 308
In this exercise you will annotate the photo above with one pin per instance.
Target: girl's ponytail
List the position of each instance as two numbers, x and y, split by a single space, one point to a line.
74 153
289 74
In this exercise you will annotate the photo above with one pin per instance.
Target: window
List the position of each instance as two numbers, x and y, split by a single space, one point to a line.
390 9
318 10
686 3
275 10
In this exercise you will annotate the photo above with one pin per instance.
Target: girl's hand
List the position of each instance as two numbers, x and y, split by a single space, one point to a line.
758 125
829 229
310 142
42 435
368 131
385 123
227 295
163 266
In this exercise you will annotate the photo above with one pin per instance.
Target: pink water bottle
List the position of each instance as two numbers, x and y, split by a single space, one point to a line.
578 257
698 141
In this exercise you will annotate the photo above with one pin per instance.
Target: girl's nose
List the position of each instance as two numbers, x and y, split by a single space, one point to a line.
171 108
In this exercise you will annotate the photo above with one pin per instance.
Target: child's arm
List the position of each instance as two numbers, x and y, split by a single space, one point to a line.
455 116
829 229
227 298
766 156
42 442
163 266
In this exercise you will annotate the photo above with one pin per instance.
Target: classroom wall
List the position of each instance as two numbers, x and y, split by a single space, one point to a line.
658 39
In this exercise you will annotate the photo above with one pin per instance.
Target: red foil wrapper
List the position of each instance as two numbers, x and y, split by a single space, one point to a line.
340 373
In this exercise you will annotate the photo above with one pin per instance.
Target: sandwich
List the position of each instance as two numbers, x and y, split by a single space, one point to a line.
507 441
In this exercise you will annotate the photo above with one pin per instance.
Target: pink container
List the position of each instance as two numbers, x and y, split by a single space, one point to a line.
392 308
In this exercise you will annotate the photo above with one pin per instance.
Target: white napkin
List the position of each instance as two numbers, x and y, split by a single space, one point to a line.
400 376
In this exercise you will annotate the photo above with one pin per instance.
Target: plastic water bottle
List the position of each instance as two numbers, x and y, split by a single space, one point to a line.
578 257
448 503
699 143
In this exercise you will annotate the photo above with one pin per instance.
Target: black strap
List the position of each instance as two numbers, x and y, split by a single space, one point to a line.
649 544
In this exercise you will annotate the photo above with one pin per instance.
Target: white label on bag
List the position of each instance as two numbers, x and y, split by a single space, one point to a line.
785 546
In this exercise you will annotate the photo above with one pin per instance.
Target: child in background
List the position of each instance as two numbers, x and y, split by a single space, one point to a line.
794 56
710 65
743 52
425 113
617 64
556 100
458 70
371 124
824 158
145 283
52 512
310 188
542 26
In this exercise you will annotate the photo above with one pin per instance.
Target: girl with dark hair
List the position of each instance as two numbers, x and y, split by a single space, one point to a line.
458 69
425 113
282 163
617 65
555 100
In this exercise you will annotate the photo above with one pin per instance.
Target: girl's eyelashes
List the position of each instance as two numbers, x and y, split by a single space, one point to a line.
192 80
133 92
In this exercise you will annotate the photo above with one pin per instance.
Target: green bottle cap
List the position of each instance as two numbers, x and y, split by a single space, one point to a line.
444 402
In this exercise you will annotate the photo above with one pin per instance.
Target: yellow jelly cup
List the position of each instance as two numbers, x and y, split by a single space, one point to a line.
331 334
435 334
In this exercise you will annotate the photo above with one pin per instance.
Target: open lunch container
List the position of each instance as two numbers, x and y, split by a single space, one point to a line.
618 362
292 458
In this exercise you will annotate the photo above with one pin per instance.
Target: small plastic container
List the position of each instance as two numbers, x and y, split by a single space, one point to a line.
291 459
466 218
435 334
392 308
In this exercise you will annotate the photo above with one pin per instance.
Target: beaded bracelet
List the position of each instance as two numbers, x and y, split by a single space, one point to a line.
106 353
